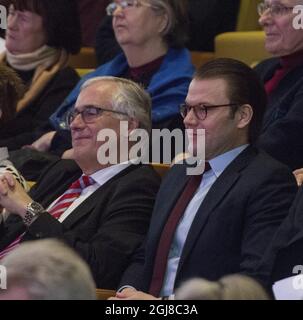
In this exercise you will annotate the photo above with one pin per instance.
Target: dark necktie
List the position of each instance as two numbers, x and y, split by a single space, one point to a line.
273 83
168 232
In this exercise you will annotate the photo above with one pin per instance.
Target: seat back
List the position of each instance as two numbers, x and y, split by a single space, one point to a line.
85 59
248 16
199 58
248 47
82 72
104 294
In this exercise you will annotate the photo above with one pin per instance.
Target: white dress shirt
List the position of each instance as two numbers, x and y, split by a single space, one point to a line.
100 177
218 165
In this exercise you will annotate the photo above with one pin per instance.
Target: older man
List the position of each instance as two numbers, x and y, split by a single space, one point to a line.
105 213
220 224
282 130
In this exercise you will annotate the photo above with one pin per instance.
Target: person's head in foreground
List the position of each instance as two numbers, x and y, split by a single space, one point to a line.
231 287
46 270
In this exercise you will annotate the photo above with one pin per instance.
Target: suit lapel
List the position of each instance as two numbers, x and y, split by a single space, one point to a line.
222 186
89 204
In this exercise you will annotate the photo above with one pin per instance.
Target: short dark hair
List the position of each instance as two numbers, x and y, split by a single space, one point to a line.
176 33
243 87
61 21
11 90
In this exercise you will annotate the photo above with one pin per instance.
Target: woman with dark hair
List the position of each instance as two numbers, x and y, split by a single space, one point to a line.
40 36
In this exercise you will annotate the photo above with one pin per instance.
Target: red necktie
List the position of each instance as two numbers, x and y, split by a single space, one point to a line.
58 208
168 232
273 83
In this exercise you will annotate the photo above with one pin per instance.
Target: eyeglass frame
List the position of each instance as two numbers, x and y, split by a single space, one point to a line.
185 106
100 110
124 4
262 7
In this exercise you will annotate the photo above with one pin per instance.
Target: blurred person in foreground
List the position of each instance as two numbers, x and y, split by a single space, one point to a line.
47 270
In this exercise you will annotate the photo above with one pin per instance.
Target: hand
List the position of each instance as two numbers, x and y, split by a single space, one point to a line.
44 142
12 196
68 154
299 176
133 294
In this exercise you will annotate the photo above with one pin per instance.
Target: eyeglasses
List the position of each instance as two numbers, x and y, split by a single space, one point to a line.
124 4
201 110
275 10
89 114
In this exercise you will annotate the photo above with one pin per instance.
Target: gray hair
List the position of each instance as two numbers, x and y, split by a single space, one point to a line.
48 270
162 7
176 29
231 287
130 98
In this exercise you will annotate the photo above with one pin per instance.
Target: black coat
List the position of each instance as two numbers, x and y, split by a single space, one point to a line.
105 229
282 129
32 121
233 226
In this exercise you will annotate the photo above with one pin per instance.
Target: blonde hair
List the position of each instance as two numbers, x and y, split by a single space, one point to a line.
48 270
231 287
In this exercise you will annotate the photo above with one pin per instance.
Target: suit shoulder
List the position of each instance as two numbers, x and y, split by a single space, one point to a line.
140 174
264 166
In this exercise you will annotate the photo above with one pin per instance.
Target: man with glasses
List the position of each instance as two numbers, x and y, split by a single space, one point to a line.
282 129
221 222
102 210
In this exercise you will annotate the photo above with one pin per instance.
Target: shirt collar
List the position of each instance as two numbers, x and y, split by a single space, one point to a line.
220 163
292 60
104 175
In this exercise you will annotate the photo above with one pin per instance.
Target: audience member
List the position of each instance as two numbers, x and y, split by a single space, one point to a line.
207 18
47 270
39 37
104 214
284 256
232 287
282 130
152 39
230 217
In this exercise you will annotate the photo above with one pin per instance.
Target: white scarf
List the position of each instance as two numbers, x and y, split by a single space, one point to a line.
44 56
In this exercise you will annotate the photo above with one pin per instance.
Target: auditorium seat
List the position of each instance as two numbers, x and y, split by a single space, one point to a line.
86 59
104 294
247 46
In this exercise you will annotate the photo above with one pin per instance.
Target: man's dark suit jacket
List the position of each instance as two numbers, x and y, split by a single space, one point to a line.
233 225
286 249
105 229
282 129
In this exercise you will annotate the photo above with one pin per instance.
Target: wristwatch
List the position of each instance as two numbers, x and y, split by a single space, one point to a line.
33 210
